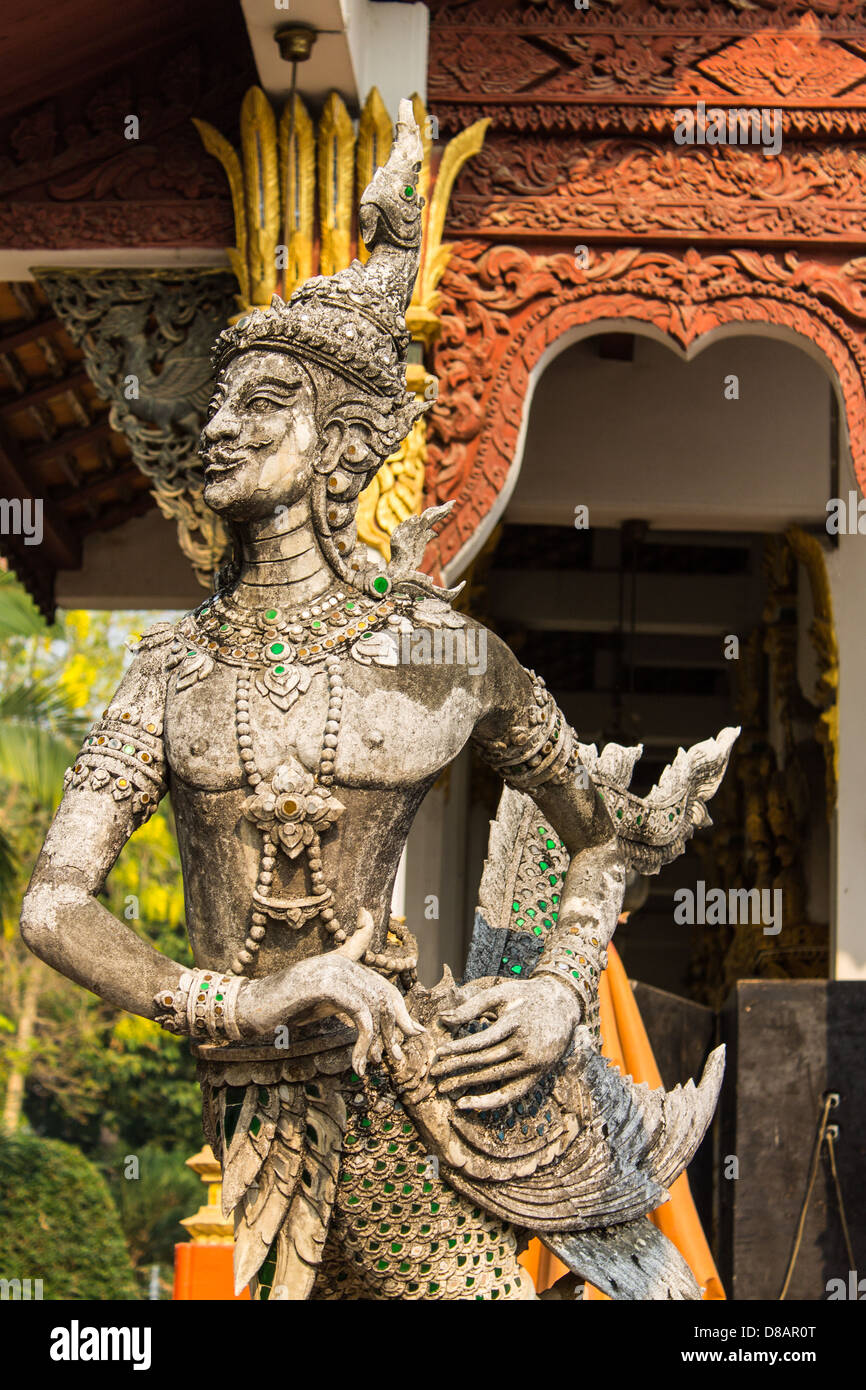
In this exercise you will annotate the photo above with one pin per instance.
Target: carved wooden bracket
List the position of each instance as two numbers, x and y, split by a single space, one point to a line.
146 338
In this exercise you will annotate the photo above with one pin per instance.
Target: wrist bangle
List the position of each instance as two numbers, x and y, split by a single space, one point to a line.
581 973
204 1003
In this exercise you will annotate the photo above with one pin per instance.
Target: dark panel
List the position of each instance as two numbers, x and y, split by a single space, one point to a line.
790 1042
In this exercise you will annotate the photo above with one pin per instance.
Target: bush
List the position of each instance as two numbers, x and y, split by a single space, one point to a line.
59 1224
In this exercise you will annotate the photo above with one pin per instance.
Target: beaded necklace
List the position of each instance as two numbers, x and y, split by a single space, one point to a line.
272 637
292 810
276 650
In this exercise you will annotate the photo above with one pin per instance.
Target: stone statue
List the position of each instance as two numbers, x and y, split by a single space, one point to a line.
378 1139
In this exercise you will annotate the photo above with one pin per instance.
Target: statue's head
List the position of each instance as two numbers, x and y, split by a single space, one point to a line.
311 394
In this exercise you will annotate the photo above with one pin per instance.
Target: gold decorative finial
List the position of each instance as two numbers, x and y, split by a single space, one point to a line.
208 1226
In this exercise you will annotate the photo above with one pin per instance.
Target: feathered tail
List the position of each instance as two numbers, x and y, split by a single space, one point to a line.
280 1179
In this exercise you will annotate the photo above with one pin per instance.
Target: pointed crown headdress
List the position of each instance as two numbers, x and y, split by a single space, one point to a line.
354 322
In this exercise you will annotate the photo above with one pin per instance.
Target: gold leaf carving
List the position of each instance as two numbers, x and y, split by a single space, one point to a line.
262 193
435 254
375 133
298 185
336 160
219 147
397 491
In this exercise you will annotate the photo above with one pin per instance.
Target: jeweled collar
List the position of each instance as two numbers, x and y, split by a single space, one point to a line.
277 637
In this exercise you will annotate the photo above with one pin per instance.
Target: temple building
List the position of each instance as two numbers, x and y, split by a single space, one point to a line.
641 320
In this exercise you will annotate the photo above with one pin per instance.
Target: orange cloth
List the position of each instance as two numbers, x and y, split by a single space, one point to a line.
625 1043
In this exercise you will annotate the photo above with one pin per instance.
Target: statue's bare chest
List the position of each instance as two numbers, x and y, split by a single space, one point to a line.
379 730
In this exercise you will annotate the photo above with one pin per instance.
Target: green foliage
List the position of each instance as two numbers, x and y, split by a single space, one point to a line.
93 1076
39 729
19 616
59 1223
39 735
153 1189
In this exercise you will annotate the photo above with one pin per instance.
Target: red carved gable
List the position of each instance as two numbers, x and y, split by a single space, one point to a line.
581 158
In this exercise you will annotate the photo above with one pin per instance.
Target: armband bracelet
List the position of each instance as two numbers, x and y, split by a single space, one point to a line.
542 752
580 972
203 1004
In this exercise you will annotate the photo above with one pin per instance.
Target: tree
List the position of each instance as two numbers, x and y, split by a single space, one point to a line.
39 727
72 1067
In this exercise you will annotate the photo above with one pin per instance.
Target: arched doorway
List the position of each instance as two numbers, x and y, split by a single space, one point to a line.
507 315
641 566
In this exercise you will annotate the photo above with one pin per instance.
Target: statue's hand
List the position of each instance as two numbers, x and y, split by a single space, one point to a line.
533 1027
332 983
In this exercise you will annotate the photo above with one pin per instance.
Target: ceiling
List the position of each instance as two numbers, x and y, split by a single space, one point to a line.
56 443
44 51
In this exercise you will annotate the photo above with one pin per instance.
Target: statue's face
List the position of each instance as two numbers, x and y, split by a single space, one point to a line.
261 438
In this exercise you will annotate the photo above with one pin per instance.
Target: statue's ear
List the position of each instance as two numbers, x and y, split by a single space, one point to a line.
345 448
333 436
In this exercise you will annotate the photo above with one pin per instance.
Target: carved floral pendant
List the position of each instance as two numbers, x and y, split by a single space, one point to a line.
283 684
293 808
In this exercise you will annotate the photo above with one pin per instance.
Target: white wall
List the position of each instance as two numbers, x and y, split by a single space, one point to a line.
847 570
360 45
656 438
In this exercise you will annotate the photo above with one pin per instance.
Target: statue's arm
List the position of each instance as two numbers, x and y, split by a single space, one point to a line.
114 785
524 735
